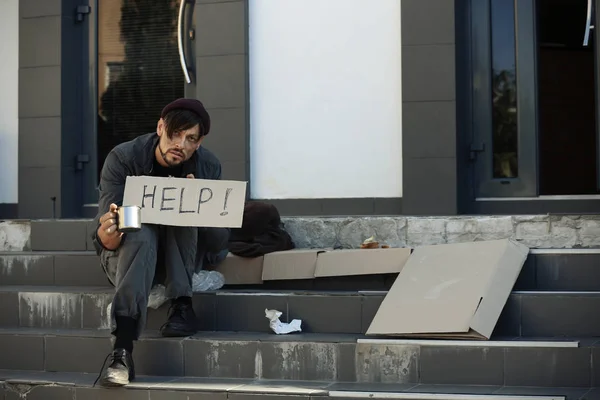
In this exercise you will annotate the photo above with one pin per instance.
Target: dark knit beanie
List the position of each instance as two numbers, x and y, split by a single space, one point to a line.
191 105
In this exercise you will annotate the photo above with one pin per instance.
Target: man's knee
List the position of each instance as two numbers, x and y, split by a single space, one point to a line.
183 236
147 236
134 261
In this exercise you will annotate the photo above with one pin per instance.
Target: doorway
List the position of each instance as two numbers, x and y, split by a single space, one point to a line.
566 99
535 95
140 59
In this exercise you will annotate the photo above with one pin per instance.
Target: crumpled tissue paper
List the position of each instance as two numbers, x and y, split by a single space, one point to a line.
281 328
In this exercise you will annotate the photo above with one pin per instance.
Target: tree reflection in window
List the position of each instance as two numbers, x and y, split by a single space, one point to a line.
138 68
504 90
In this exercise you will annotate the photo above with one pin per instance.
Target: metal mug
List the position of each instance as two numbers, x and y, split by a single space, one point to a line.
129 219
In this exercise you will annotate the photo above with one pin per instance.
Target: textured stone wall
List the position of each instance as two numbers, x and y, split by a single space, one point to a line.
538 231
14 235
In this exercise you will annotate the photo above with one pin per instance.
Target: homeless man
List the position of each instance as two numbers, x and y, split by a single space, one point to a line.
135 261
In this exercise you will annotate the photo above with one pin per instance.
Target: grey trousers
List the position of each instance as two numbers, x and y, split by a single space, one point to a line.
159 254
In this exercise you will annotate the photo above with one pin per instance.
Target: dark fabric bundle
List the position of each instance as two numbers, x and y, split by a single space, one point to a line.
262 232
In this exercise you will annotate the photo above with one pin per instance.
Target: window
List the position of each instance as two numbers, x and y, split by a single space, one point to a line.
504 90
138 68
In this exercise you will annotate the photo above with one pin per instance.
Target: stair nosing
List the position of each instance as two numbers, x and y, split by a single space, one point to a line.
548 251
522 342
436 396
98 289
475 343
41 253
540 251
257 386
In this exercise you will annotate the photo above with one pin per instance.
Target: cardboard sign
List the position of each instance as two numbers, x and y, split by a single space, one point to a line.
187 202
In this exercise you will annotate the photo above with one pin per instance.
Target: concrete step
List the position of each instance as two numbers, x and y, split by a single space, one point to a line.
526 314
545 269
315 357
74 268
535 231
46 235
561 269
50 386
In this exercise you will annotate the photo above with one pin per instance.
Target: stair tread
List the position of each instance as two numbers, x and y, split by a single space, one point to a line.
475 391
317 337
56 289
549 314
171 383
212 335
48 253
257 386
259 292
532 251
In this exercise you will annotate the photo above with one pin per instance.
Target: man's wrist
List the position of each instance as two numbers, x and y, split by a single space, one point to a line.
101 244
98 242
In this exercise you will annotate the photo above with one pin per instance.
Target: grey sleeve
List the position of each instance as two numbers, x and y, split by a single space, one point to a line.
112 184
217 171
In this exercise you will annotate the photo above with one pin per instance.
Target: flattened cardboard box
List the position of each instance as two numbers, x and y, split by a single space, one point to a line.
241 270
451 291
290 264
361 262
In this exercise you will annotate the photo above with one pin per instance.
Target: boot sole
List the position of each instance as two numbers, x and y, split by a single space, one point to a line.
113 383
176 333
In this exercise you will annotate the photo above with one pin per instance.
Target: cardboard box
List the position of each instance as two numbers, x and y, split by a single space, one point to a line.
241 270
451 291
290 264
361 262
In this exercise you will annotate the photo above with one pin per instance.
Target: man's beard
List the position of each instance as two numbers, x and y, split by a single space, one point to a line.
168 162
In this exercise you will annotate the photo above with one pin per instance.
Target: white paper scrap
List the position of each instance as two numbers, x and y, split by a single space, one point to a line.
279 327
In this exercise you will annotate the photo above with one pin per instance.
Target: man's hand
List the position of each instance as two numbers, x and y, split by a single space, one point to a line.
190 176
107 231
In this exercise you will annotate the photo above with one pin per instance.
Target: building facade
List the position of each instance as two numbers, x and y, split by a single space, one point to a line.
337 107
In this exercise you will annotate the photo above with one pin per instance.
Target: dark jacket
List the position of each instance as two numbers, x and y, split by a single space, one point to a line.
136 158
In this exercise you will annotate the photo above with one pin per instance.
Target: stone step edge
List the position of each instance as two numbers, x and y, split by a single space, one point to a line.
47 253
72 380
303 338
472 343
533 251
550 251
168 383
106 290
436 396
535 231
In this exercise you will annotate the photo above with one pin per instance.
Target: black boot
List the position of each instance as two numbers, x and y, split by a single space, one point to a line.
182 320
121 370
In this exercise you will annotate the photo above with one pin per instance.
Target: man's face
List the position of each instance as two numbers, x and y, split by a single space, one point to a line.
179 148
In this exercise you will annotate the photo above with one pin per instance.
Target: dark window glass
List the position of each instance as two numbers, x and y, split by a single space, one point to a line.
138 68
504 90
